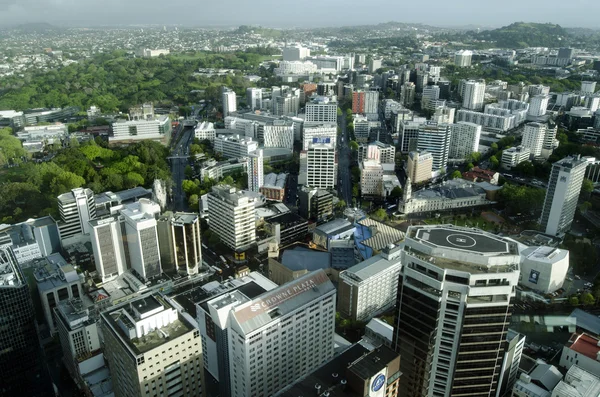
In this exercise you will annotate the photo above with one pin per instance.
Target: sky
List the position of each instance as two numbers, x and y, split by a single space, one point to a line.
298 13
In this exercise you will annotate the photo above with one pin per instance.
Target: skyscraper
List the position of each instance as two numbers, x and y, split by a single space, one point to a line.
21 361
254 98
321 110
319 165
534 137
419 166
435 139
187 242
463 58
364 102
453 310
229 102
256 176
231 215
76 209
407 93
473 94
465 139
563 191
107 245
538 105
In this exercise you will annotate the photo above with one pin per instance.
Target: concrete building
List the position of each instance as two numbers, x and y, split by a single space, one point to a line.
513 351
371 179
384 153
409 135
462 58
295 68
514 156
107 239
578 382
12 119
435 139
582 350
151 349
285 101
375 64
273 187
321 110
365 102
314 203
235 146
588 87
320 165
186 242
310 132
205 131
255 170
218 170
131 131
419 166
254 98
544 269
538 105
278 134
407 93
50 134
473 94
430 97
231 215
362 128
76 209
32 239
295 53
229 101
22 363
454 282
451 195
465 140
370 287
563 191
535 137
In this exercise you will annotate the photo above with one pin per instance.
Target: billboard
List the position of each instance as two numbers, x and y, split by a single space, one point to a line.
534 276
321 140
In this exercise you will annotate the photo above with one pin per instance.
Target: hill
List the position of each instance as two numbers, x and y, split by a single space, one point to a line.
521 34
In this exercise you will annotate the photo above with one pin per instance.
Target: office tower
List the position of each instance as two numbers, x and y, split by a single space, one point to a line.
588 87
538 105
465 140
462 58
142 238
76 209
321 110
254 98
431 94
382 152
592 102
78 335
442 113
473 95
513 351
563 191
234 146
279 134
295 53
151 349
565 52
229 102
371 178
321 165
534 137
370 287
24 372
314 204
538 89
514 156
365 102
231 215
362 127
453 310
256 176
107 244
131 131
286 101
407 94
435 139
374 65
419 166
187 242
409 135
310 132
280 335
421 81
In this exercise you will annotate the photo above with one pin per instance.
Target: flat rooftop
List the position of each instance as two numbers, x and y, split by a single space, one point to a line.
461 239
584 344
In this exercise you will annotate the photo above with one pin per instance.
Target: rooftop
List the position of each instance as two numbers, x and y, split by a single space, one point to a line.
578 383
301 258
380 234
587 321
464 239
584 344
452 189
334 227
274 180
10 274
373 266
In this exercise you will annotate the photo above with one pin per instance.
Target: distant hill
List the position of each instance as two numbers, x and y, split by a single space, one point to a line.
522 34
40 27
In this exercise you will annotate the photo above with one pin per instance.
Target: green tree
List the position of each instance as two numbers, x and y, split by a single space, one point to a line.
494 147
189 172
339 112
574 300
193 201
474 157
355 190
228 180
470 166
353 146
587 298
587 187
456 175
341 204
396 192
494 163
525 168
380 215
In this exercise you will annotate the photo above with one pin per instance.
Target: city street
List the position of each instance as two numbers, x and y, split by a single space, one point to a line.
344 153
179 160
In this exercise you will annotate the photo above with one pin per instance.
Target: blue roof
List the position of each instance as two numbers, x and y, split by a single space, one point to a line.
301 258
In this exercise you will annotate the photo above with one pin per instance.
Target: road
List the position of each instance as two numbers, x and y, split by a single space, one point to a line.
179 160
344 184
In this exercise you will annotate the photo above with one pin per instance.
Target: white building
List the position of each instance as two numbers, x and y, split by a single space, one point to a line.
280 335
582 350
465 140
255 170
231 215
451 195
76 208
50 134
514 156
488 121
362 127
234 146
247 127
319 131
419 166
442 113
382 152
205 130
534 137
430 96
295 53
473 95
563 191
578 382
544 268
93 112
435 139
371 178
318 166
588 87
462 58
229 101
107 246
254 98
132 131
279 134
302 68
538 105
375 64
149 53
370 287
407 93
321 110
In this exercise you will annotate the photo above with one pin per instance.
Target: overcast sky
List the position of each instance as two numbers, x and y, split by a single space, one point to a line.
299 13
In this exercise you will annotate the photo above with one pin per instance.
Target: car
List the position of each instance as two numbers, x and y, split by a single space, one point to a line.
577 278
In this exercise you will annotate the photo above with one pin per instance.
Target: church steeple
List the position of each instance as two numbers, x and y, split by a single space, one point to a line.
407 191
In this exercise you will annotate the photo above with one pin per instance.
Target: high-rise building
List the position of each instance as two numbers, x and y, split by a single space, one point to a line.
365 102
462 58
563 191
187 242
107 244
362 127
382 152
419 166
314 203
588 87
278 134
473 95
465 140
24 372
142 238
320 164
310 132
234 146
76 209
538 105
321 110
513 351
151 349
371 178
409 135
565 52
231 215
538 89
435 139
407 94
370 287
256 176
534 137
375 64
453 310
229 101
285 101
430 96
514 156
295 53
254 98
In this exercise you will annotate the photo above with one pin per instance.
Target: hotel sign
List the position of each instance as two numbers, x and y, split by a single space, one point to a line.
278 296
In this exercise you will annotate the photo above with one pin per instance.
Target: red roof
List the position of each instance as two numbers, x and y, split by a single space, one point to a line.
585 344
